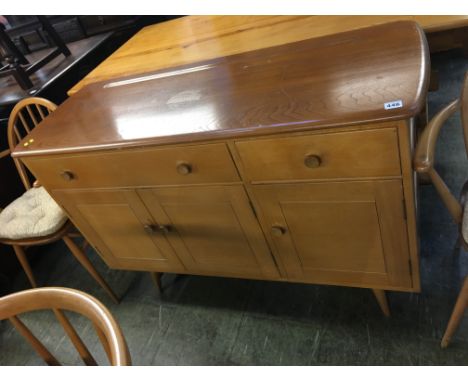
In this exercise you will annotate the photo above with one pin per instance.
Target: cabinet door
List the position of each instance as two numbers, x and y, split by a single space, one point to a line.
212 229
118 225
342 233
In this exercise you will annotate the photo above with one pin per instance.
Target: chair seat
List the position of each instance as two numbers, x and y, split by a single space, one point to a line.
33 214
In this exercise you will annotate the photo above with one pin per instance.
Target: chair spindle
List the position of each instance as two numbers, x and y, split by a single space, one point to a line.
78 343
25 124
31 114
45 354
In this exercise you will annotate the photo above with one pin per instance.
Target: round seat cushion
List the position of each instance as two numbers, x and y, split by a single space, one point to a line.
33 214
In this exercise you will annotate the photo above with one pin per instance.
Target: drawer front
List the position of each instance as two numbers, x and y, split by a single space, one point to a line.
211 163
371 153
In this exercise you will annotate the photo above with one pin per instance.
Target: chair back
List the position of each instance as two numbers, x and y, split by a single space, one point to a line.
58 299
26 115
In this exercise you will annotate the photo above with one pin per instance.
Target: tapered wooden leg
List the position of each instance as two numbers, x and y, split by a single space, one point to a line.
21 255
37 345
73 235
457 314
156 276
382 300
84 261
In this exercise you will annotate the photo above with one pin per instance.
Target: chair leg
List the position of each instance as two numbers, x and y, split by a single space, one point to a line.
156 276
457 314
84 261
21 255
382 301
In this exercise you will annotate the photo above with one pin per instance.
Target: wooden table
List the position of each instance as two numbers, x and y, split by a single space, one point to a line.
11 92
194 38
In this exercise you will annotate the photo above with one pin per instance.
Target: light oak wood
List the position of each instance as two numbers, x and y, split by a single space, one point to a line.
334 233
340 155
406 138
4 153
105 342
424 160
382 301
21 255
195 38
25 116
114 222
458 311
77 342
84 261
58 300
212 229
155 167
37 345
281 164
16 131
302 86
450 201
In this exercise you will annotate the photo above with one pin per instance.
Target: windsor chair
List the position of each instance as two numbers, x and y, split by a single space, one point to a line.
35 218
60 300
458 208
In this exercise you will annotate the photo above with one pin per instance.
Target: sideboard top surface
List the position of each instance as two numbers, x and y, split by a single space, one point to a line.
336 80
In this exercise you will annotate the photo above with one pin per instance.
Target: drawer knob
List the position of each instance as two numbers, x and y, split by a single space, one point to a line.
312 161
67 175
184 168
278 230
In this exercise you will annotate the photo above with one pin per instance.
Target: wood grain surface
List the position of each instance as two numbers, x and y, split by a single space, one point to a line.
195 38
337 80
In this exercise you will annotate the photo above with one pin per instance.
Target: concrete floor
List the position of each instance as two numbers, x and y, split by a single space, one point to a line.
217 321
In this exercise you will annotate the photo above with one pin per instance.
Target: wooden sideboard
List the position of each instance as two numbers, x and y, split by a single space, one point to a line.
288 163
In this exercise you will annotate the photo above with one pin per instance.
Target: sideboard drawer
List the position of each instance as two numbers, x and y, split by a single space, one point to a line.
210 163
368 153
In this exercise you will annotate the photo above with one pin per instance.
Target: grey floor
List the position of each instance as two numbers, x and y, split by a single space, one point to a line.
216 321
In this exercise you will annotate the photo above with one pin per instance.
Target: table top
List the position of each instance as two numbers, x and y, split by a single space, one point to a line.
336 80
191 39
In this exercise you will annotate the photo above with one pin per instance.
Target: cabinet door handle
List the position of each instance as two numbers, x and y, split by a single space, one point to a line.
67 175
153 228
184 168
165 228
150 228
278 230
312 161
